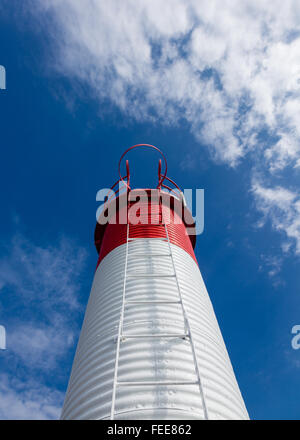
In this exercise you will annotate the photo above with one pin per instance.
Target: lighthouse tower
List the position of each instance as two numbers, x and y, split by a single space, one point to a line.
150 345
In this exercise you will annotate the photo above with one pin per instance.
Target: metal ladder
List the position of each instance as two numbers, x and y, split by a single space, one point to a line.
185 335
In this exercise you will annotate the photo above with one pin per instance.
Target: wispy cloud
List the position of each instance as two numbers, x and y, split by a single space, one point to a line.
282 208
39 289
39 346
28 400
45 275
230 70
272 265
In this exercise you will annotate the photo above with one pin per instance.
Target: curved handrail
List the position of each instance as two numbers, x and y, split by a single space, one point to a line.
163 177
126 179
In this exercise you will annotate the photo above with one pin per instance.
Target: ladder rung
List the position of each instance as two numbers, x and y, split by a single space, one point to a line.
166 382
156 335
147 223
149 255
153 212
148 238
153 302
150 275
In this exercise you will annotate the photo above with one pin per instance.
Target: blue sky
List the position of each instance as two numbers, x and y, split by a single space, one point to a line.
217 89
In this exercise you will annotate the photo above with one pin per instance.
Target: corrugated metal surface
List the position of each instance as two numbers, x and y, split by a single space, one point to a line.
116 234
89 392
116 213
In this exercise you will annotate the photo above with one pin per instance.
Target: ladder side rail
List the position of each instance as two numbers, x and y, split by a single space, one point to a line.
120 331
187 325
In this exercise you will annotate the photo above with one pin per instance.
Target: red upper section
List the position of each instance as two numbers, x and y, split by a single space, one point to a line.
146 217
146 211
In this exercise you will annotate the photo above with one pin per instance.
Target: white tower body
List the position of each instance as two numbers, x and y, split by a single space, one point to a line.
170 361
89 392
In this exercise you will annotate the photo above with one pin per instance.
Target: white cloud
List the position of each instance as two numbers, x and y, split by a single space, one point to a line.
28 400
283 153
148 58
41 346
282 208
44 284
272 264
45 275
230 69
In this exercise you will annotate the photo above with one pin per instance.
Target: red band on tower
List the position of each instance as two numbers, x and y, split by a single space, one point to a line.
165 208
